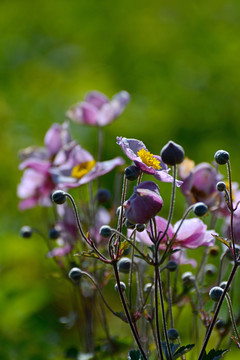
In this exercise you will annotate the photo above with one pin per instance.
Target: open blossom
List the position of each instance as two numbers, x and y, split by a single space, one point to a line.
148 163
80 168
97 109
192 234
199 183
144 204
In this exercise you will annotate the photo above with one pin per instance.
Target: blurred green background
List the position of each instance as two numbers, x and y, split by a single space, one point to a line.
179 60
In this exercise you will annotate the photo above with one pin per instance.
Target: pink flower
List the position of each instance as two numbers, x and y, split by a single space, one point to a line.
192 234
97 109
148 163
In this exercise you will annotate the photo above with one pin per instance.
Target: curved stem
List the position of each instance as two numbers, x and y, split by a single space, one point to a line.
231 208
156 307
88 241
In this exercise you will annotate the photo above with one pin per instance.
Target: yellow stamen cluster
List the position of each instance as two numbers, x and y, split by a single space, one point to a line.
82 169
149 159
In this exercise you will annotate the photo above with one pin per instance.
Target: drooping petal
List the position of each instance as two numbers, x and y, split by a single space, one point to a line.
96 98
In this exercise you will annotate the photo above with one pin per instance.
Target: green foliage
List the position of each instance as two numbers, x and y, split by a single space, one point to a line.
214 354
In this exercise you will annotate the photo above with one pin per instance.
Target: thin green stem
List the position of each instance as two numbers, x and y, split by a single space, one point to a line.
232 316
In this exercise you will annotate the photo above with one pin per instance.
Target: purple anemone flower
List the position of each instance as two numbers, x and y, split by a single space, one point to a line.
199 183
148 163
144 204
192 233
97 109
80 168
36 184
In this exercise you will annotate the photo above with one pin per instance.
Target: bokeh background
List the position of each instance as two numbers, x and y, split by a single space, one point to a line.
179 60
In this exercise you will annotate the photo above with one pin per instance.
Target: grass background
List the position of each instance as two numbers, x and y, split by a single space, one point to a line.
180 63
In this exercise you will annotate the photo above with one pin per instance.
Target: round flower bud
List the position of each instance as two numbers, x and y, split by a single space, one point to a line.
172 265
148 287
210 270
229 252
188 278
221 157
215 293
220 324
172 153
26 232
124 265
213 250
75 274
59 197
105 231
103 196
129 225
172 334
132 172
200 209
140 227
122 284
53 233
223 285
221 186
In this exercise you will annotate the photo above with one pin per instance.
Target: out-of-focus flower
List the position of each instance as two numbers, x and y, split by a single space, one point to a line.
80 168
102 217
144 204
148 163
97 109
36 184
67 229
199 183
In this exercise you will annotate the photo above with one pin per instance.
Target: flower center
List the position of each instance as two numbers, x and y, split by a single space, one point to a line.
82 169
149 159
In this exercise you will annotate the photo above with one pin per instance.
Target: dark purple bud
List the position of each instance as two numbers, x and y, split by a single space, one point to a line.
122 285
172 153
75 274
172 265
221 157
215 293
129 225
140 227
172 334
103 196
53 234
105 231
144 204
200 209
124 265
26 232
221 186
132 172
59 197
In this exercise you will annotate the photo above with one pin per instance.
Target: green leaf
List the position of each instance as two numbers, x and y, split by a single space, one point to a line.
182 350
173 348
223 240
134 355
214 354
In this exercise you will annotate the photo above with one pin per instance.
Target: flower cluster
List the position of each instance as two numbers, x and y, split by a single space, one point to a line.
126 237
